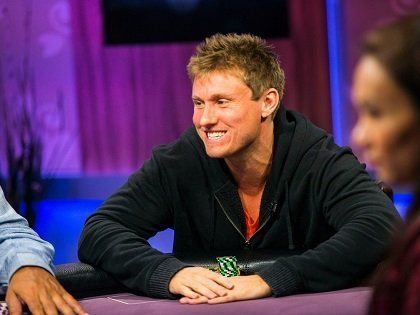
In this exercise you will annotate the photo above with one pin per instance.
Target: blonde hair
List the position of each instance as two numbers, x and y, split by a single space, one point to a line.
250 56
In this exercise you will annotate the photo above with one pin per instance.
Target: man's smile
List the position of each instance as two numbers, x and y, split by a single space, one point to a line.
215 135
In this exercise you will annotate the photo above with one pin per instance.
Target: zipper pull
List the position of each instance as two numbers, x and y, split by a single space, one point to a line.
273 206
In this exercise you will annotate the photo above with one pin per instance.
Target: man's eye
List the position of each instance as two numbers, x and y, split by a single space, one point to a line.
198 104
222 102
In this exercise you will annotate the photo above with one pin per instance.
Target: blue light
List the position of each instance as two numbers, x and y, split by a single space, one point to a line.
60 222
402 202
336 72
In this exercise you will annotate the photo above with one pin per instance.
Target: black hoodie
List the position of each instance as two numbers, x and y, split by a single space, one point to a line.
318 200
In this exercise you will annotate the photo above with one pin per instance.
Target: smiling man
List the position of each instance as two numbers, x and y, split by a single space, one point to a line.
250 175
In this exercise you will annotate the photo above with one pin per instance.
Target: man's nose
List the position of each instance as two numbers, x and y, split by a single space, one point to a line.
209 116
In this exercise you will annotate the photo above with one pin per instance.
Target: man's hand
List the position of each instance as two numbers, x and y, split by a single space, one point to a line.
244 288
199 284
40 292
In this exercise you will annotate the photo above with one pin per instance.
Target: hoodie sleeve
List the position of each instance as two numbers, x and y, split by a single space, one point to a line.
363 218
115 237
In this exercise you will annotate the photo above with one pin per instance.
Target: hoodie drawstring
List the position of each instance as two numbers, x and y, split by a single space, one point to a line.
288 220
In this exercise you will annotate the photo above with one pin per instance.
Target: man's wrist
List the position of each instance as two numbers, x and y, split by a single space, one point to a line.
21 260
265 288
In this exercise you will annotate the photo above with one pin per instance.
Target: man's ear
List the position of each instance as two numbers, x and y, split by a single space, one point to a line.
270 100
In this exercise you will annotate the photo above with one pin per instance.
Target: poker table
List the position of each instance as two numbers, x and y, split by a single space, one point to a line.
344 302
99 293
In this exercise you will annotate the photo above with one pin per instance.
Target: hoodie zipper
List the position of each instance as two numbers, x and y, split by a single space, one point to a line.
230 220
273 210
247 242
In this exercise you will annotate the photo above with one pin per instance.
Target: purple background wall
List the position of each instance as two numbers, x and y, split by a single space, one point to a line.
142 92
52 65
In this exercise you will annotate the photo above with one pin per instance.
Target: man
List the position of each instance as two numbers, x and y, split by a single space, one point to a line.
250 175
26 265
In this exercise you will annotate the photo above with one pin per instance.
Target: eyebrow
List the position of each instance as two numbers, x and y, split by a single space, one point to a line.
367 105
214 97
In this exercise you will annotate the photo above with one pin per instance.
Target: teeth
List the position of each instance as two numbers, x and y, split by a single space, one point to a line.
215 135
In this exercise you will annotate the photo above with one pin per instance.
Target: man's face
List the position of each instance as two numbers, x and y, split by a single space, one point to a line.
225 116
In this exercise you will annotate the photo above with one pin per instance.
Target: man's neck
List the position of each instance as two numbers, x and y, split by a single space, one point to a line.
251 169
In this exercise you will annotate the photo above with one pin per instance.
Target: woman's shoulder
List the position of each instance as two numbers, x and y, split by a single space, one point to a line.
396 289
411 241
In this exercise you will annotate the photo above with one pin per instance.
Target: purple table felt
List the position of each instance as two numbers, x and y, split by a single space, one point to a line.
344 302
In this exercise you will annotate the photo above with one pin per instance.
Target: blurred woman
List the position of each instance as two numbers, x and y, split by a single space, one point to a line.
386 93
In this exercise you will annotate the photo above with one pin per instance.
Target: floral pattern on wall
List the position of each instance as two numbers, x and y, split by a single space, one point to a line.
43 30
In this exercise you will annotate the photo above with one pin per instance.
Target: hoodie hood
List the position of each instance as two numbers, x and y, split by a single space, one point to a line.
293 136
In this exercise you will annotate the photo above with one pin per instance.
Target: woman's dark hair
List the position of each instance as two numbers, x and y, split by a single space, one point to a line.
397 47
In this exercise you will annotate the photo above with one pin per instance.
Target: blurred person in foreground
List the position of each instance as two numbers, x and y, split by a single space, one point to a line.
386 93
26 269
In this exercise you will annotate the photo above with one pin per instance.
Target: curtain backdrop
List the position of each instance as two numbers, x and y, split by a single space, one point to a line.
133 97
308 25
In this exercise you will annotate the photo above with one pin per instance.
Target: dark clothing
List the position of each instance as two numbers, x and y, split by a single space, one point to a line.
397 292
317 198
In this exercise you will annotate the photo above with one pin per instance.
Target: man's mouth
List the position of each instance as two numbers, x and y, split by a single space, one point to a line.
215 135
